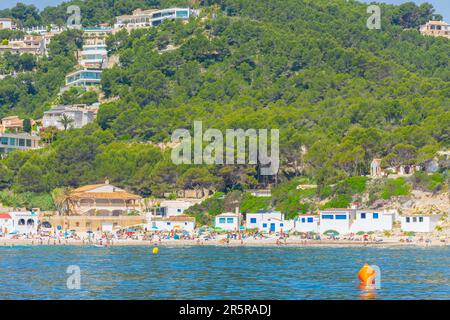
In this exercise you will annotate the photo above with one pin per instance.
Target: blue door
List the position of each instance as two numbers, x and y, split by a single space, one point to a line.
272 227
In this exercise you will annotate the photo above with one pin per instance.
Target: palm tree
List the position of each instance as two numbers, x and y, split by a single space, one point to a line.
65 121
62 198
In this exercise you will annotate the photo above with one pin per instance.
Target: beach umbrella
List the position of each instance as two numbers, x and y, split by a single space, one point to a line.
331 233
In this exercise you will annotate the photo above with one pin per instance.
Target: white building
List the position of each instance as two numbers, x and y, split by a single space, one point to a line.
419 223
5 223
252 220
169 208
24 222
306 223
369 220
275 225
339 220
84 77
228 221
7 24
152 17
180 222
80 114
93 55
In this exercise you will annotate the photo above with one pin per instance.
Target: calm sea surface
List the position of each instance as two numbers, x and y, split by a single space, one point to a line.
221 273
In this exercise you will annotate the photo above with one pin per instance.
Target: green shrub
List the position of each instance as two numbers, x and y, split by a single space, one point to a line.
394 188
339 201
251 203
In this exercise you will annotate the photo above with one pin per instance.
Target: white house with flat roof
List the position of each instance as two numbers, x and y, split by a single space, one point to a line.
339 220
169 208
84 77
80 114
24 222
306 223
419 223
372 220
228 221
275 225
253 220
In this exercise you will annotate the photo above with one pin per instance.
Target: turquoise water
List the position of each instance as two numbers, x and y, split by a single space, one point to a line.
221 273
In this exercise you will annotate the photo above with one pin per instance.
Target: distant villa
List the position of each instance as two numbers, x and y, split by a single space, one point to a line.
436 29
152 17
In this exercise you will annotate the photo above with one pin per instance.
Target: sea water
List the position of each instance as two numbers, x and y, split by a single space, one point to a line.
210 272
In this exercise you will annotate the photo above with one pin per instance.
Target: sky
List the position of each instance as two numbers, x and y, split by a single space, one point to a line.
442 6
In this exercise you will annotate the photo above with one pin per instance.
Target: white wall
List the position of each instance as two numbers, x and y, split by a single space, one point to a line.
280 225
229 226
6 225
419 223
175 207
370 223
166 225
259 217
303 224
18 217
340 225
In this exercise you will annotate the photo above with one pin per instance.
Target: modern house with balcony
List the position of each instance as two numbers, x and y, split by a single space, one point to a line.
17 141
84 77
152 17
93 56
96 35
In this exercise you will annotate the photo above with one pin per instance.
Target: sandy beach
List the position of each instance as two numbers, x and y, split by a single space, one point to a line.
220 242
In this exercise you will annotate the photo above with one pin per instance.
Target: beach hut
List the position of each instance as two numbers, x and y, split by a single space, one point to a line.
275 225
253 220
419 223
306 223
227 221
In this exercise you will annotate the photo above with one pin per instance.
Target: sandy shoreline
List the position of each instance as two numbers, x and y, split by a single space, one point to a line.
234 243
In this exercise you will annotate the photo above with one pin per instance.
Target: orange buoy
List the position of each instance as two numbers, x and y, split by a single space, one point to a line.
366 275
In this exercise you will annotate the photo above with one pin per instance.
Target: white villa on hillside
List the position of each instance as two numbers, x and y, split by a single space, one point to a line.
80 114
84 77
436 29
152 17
